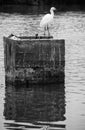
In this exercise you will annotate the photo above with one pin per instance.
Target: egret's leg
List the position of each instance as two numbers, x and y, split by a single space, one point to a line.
48 30
44 30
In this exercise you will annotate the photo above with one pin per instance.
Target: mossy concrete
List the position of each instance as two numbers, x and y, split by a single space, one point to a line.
34 60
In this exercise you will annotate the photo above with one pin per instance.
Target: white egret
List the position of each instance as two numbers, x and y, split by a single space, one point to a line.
47 20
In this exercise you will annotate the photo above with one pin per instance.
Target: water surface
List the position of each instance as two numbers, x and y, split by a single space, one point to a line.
60 106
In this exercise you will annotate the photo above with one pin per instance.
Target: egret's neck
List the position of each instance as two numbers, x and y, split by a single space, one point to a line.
52 12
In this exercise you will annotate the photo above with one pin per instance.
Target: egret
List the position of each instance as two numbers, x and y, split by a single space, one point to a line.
47 20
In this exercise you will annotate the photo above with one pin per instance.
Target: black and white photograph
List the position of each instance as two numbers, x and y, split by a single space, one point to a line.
42 65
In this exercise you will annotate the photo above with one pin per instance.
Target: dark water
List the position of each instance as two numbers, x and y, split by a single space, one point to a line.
35 104
58 106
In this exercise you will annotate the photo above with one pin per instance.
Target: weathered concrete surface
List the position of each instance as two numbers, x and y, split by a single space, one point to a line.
34 60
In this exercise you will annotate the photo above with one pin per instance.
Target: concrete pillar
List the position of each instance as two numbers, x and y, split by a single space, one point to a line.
35 60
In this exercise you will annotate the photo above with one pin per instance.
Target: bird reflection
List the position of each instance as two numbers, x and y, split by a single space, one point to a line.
34 104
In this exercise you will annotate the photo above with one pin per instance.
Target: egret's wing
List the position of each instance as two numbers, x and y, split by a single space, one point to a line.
48 18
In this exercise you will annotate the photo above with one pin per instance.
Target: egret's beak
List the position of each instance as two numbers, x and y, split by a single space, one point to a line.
54 8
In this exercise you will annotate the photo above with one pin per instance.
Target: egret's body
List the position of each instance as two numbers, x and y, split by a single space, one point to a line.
47 20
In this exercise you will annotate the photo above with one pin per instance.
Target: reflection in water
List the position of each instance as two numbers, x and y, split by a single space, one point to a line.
35 104
24 9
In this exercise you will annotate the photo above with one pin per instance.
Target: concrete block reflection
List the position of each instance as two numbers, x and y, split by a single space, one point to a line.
35 103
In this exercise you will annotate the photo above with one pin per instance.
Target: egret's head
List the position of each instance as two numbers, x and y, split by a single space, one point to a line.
52 9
